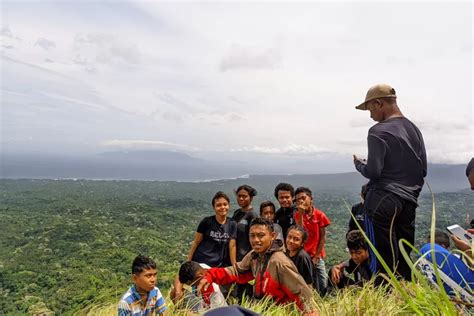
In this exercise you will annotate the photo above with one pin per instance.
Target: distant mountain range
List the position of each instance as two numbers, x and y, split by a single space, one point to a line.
175 166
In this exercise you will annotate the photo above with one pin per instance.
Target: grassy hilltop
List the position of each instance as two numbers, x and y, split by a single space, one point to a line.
66 246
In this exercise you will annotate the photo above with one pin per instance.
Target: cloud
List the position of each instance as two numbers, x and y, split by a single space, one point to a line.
250 58
234 117
353 143
399 60
445 125
292 149
7 38
176 103
173 117
5 31
105 49
147 144
44 43
360 122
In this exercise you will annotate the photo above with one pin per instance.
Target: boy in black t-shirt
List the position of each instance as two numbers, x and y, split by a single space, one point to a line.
358 265
295 239
285 193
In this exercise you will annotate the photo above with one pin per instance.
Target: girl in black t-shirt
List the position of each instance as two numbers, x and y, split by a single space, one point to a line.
243 216
214 242
295 240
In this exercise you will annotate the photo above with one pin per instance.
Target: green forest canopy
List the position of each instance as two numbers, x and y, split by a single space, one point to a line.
66 244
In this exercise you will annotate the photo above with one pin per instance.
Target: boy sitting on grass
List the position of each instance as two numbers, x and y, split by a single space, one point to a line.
274 273
190 273
452 266
358 264
295 239
143 298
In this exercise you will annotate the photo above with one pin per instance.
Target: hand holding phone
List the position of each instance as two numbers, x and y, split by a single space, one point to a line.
461 233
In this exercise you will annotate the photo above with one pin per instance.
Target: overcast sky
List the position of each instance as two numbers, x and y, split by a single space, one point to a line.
232 79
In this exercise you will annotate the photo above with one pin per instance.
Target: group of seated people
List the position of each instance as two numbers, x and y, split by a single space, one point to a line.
276 253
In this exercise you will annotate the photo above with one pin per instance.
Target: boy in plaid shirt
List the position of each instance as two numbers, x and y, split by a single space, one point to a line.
143 298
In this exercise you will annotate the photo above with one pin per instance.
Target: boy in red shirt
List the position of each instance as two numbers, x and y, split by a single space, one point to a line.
315 223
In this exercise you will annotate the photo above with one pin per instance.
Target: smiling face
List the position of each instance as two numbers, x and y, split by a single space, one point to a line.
294 240
261 238
145 280
285 199
221 207
243 199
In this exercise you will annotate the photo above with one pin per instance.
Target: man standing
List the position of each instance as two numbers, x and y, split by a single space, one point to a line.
396 165
284 193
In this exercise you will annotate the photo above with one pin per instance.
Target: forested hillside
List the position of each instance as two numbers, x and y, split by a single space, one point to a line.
66 244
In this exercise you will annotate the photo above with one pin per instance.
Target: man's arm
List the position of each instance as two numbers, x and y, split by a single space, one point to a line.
322 241
465 248
372 169
336 272
197 240
296 288
241 273
176 293
233 252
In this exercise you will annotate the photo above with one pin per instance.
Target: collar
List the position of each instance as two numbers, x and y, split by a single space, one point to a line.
310 214
277 245
137 295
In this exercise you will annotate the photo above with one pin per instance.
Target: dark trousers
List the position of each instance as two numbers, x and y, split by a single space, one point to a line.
389 218
241 290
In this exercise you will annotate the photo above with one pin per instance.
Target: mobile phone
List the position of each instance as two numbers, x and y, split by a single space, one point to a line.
460 232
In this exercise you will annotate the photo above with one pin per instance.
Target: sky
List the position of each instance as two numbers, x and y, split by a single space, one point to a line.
232 80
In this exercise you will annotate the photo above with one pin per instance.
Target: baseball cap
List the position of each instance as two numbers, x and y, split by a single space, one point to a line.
375 92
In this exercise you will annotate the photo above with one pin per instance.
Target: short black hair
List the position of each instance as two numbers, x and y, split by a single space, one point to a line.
284 187
187 271
141 263
218 195
251 191
470 167
267 204
441 238
262 221
303 190
355 240
301 230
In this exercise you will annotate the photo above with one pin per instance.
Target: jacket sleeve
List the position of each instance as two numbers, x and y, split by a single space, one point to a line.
241 274
295 287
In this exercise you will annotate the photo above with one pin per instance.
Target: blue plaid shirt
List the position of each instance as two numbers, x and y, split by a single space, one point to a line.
130 304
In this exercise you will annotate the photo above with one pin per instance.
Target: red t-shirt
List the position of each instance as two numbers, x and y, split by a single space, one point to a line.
313 222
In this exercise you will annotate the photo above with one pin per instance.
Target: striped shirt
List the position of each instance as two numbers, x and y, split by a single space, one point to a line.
130 304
